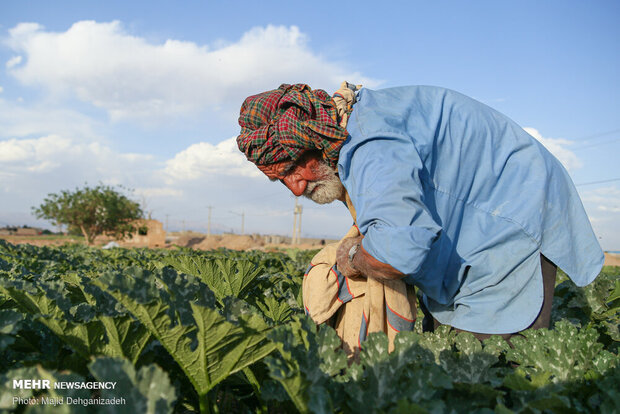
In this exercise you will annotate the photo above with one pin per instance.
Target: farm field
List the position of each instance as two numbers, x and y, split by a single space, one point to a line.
183 331
197 241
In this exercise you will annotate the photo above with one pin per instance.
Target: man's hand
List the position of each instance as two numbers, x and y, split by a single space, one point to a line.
342 257
363 264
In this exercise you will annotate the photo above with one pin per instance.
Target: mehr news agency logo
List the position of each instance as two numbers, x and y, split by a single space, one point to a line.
38 384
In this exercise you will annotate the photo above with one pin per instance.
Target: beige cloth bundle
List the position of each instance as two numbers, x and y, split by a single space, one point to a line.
356 306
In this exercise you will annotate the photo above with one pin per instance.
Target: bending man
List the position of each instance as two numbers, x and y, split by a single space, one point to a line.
450 196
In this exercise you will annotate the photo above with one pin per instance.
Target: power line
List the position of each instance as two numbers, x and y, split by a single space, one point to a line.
595 144
597 135
599 182
271 213
259 197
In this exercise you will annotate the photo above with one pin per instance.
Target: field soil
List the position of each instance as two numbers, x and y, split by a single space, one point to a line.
196 241
42 240
612 259
200 241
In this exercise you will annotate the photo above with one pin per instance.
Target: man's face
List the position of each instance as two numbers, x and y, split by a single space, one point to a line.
327 187
311 177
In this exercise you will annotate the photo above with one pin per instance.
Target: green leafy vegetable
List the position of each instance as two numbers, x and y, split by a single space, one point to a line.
224 277
146 391
180 312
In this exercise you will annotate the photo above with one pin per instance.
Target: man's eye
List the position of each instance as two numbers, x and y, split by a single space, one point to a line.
289 170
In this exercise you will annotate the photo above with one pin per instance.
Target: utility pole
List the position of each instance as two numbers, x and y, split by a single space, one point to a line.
167 222
242 220
296 222
209 225
300 208
183 226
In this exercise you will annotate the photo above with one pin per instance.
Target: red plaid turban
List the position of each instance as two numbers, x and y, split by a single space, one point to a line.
281 124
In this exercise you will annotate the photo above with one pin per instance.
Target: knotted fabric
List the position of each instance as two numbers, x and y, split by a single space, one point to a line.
281 124
356 307
344 98
359 306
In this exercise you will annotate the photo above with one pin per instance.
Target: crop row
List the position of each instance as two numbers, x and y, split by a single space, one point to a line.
223 331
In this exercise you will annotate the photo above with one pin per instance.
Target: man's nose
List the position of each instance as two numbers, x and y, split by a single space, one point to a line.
297 185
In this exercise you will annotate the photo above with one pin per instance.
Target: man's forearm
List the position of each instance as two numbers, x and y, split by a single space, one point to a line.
371 267
362 263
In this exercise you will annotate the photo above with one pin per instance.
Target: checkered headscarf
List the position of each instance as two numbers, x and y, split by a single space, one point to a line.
279 125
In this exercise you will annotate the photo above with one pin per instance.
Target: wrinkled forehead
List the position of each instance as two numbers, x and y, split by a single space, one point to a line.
276 170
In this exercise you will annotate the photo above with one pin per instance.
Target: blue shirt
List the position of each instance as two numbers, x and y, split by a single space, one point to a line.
463 201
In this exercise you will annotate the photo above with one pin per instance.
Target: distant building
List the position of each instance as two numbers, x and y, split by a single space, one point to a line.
150 233
20 231
26 231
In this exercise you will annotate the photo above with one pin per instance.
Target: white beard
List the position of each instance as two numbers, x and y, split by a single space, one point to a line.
327 189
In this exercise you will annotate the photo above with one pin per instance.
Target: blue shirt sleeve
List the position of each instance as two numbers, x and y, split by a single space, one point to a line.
385 186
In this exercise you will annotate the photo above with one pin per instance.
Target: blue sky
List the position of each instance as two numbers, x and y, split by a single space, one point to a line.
146 93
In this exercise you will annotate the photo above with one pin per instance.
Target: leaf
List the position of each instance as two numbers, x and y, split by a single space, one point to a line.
38 373
77 324
616 292
517 381
277 311
439 341
10 321
6 390
495 345
408 372
84 338
123 331
563 354
610 395
306 363
147 391
180 312
225 277
470 364
473 398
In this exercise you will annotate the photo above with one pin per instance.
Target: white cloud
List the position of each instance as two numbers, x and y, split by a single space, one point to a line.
14 61
156 192
129 77
132 157
603 205
558 147
603 199
615 209
203 159
56 160
1 89
44 118
33 153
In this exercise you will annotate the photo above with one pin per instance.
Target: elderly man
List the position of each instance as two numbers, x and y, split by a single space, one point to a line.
449 195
